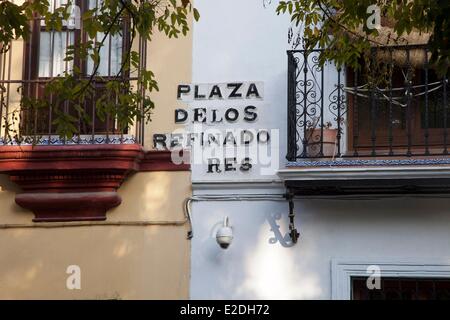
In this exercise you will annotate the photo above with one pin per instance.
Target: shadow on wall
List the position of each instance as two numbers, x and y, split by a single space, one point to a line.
7 185
261 263
274 268
10 212
284 240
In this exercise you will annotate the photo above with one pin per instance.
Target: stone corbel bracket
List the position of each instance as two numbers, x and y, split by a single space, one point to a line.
76 182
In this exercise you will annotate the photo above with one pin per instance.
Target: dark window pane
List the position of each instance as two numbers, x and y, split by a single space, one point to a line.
402 289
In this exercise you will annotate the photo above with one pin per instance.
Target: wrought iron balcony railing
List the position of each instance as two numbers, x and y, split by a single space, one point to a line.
395 105
27 67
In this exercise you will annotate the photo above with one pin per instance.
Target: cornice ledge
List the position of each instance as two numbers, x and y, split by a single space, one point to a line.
361 173
77 182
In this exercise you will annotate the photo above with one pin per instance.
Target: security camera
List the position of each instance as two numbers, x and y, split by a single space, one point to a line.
224 235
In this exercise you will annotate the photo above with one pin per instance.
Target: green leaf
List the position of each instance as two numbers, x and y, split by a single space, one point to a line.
196 14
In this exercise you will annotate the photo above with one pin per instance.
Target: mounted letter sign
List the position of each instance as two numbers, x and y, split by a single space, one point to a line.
221 91
220 126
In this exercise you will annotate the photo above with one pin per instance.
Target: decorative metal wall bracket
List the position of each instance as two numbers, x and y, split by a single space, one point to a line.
293 233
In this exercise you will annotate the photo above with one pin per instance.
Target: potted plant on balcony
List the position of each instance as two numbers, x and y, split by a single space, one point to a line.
322 134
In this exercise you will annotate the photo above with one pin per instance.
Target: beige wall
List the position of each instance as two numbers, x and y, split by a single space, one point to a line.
124 262
171 61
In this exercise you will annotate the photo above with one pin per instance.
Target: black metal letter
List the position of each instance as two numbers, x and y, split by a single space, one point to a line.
183 89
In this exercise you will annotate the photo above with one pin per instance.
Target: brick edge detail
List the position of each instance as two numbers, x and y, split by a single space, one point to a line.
77 183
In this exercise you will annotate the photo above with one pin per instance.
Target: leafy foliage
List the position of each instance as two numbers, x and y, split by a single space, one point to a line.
331 24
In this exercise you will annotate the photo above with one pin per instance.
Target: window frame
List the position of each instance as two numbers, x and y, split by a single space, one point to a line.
32 82
342 270
399 134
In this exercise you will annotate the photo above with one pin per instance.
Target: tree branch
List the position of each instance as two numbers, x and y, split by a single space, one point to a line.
94 72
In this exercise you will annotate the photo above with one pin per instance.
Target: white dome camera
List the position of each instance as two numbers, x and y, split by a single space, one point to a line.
224 235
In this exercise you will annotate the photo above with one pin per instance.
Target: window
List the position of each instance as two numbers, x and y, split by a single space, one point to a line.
346 276
388 117
45 54
395 288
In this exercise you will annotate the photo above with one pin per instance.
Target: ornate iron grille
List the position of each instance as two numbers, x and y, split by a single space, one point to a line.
395 105
402 289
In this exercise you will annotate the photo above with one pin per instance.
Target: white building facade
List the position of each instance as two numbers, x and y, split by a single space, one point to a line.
359 215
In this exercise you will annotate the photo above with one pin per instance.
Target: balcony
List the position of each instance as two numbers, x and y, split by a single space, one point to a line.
350 130
69 177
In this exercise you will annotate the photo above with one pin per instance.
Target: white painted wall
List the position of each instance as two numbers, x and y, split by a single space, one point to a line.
239 40
258 267
245 41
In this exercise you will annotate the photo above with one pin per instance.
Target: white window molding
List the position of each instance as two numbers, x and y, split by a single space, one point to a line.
342 270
